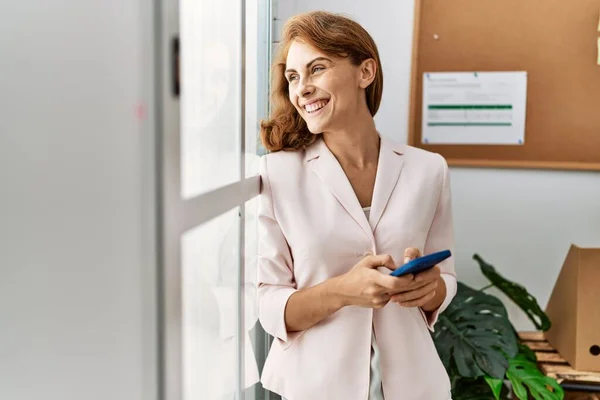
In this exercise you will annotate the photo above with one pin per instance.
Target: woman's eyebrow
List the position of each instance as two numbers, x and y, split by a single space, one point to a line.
309 63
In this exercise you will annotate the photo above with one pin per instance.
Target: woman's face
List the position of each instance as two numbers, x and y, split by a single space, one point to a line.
327 91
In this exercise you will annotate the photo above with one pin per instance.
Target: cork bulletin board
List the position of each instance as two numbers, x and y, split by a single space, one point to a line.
554 41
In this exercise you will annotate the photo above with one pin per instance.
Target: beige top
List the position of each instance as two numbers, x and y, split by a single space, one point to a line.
326 232
375 388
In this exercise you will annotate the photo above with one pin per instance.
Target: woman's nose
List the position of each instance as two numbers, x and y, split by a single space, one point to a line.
305 88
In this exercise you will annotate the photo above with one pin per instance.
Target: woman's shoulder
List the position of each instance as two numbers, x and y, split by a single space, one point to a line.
425 158
282 163
426 164
284 156
415 156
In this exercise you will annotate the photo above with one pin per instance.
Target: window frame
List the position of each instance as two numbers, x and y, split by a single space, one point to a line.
177 215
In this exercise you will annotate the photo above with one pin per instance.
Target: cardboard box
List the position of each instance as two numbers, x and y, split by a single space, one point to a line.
574 310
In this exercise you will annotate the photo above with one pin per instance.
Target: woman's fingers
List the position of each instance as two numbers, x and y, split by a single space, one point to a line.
427 290
381 300
429 275
393 285
420 301
407 283
411 253
382 260
405 290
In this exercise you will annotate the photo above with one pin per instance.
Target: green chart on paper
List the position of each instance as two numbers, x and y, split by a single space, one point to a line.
474 108
469 115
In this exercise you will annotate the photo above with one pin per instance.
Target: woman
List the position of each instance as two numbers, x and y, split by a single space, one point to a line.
340 204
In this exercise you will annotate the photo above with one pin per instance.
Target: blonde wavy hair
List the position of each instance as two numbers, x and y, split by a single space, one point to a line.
334 35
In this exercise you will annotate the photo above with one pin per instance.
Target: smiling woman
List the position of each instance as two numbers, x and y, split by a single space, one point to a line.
339 204
313 45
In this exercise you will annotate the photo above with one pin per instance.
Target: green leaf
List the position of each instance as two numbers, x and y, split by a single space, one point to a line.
527 352
474 389
525 376
473 336
517 293
494 384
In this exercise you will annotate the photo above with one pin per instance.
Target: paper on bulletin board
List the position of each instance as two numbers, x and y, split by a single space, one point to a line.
474 108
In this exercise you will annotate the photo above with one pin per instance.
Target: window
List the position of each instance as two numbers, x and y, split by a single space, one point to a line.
209 265
213 344
211 90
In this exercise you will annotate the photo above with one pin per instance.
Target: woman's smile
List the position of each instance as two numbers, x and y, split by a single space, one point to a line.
316 107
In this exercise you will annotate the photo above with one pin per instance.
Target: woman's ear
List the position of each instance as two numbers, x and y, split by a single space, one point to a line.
368 71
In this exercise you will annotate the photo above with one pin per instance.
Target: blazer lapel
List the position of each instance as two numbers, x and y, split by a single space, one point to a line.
390 164
328 169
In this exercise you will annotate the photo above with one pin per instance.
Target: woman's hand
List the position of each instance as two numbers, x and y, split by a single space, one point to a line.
426 288
364 286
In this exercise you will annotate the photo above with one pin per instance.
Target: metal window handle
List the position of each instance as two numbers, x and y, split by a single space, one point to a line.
175 67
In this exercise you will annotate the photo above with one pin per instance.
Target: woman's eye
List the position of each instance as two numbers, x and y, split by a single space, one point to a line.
318 68
292 78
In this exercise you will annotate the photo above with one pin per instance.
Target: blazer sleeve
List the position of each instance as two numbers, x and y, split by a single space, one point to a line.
441 237
276 281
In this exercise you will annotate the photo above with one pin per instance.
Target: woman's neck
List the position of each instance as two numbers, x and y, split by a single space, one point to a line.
355 146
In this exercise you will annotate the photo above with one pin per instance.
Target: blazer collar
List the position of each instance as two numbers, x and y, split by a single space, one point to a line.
327 168
319 148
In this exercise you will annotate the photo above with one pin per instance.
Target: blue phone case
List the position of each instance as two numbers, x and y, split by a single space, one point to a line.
422 263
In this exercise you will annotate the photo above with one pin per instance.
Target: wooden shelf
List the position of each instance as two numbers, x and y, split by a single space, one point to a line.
553 365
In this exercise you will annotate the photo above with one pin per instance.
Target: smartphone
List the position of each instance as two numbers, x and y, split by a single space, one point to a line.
422 263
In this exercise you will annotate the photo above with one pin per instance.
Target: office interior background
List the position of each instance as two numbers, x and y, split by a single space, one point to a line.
127 226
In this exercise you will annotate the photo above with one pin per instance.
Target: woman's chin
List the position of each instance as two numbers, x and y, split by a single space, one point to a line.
316 128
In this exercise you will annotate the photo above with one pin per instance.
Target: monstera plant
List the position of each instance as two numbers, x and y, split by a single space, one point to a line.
480 348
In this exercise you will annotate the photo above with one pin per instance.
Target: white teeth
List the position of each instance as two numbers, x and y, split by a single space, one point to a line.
316 106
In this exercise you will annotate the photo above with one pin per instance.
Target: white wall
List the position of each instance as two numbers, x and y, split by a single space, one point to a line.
76 217
521 221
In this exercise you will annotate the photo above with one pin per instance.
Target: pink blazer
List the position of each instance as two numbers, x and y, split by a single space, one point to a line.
312 228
